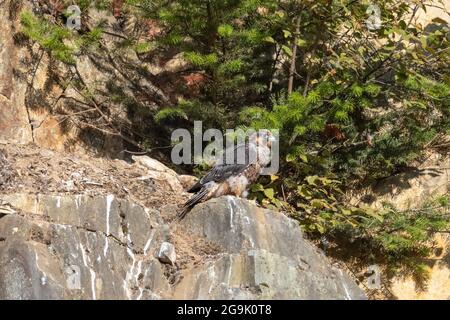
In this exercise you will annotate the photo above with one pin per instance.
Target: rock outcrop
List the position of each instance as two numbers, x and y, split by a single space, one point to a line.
78 247
14 122
411 189
265 256
438 284
40 96
84 247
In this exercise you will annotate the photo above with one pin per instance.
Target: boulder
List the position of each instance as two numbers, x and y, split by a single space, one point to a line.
176 64
187 181
167 253
77 247
153 165
158 171
265 257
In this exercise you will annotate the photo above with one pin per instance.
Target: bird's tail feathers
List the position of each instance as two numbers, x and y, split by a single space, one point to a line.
198 197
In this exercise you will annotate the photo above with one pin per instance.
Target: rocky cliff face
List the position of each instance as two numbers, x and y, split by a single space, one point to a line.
14 123
411 189
95 241
81 247
40 96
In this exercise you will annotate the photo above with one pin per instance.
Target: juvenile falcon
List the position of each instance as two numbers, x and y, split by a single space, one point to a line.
250 158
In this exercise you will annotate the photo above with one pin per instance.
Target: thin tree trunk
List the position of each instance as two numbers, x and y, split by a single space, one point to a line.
274 67
294 58
212 28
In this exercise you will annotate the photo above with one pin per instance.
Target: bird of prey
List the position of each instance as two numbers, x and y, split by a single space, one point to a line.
233 178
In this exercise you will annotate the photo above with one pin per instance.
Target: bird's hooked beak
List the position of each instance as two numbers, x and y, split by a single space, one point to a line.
272 138
265 139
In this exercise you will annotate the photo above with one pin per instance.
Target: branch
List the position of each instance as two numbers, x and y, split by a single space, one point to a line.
294 58
397 45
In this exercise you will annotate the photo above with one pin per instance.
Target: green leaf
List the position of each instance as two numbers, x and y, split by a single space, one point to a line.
304 192
170 114
317 203
269 193
287 50
311 180
304 158
372 213
257 187
320 228
301 42
287 33
270 40
423 41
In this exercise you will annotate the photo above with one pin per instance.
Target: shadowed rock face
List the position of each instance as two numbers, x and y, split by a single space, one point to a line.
412 188
80 247
14 124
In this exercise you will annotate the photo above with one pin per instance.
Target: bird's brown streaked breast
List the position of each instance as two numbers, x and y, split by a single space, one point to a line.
222 189
237 185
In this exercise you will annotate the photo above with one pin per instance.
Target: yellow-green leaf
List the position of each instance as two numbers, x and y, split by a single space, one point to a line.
269 193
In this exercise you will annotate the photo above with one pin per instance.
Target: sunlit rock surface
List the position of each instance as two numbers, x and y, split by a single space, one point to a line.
81 247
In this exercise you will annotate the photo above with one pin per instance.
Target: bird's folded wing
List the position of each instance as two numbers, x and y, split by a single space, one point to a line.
222 172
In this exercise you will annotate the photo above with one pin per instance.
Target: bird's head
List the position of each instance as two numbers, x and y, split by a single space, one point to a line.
262 144
263 137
